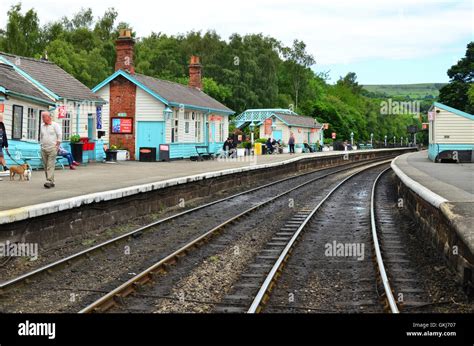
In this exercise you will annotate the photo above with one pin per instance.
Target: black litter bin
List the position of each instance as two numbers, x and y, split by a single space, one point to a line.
147 154
164 152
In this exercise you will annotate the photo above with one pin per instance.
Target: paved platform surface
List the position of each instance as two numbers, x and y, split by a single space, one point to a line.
452 181
100 177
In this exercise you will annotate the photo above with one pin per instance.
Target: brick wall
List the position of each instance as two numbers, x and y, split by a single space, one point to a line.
122 100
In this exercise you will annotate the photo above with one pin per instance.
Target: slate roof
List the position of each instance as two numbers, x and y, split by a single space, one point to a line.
299 120
179 93
13 81
53 77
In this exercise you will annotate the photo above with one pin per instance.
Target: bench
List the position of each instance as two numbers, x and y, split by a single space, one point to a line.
203 153
31 156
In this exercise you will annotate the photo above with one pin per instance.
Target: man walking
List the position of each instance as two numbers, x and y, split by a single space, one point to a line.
50 140
291 143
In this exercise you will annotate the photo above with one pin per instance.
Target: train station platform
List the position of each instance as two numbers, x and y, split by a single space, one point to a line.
449 181
441 197
98 182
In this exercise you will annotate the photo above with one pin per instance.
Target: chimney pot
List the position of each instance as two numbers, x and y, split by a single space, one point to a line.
124 49
195 71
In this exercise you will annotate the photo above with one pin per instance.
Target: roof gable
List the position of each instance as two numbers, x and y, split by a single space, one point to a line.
50 78
170 93
453 110
16 85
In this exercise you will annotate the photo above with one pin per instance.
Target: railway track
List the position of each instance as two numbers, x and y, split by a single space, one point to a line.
95 254
312 258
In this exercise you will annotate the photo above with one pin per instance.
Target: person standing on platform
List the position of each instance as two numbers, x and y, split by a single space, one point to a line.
3 144
291 143
50 139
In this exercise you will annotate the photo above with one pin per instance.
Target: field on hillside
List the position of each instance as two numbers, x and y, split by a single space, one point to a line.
412 91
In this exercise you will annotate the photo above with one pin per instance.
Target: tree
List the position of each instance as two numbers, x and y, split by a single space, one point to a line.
297 62
22 36
455 93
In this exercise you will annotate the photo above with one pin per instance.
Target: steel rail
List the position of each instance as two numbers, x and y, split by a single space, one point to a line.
378 253
113 297
270 280
102 245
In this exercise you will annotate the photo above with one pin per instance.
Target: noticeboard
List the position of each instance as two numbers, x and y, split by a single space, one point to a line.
122 126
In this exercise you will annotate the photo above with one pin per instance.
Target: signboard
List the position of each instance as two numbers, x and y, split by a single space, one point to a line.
164 147
313 130
122 115
61 112
98 113
268 126
431 116
299 130
215 118
425 126
333 135
122 125
412 129
2 107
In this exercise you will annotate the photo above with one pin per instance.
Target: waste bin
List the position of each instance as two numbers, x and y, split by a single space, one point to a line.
164 152
258 148
147 154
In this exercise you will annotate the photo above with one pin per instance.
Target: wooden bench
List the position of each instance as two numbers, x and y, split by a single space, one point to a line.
31 155
203 153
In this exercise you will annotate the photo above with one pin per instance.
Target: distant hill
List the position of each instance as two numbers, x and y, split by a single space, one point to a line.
413 91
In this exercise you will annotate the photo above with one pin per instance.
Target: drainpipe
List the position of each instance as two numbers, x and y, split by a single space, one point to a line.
77 117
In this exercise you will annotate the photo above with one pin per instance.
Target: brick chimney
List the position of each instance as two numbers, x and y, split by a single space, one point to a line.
195 69
124 49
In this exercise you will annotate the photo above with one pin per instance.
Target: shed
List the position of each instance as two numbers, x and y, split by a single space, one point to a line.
451 134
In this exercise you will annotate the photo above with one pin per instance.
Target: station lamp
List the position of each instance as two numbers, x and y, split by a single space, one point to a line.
252 128
168 113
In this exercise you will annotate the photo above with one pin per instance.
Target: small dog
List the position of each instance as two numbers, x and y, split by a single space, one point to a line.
27 174
20 170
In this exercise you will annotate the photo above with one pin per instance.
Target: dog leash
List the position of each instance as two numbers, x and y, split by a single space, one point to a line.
15 161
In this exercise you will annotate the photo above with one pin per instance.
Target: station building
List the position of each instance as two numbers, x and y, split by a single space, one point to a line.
30 86
451 134
278 124
146 112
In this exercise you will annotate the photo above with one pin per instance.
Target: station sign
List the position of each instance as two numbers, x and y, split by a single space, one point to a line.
62 112
431 116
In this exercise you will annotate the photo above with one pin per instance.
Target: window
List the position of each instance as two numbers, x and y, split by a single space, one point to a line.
32 124
221 131
17 125
66 127
197 128
174 127
186 127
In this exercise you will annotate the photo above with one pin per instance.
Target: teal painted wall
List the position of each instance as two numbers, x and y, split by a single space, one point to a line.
186 150
435 149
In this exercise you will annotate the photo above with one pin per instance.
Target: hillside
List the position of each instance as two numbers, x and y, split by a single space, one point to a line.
412 91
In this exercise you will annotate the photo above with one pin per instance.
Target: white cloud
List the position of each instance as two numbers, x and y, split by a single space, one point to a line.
334 31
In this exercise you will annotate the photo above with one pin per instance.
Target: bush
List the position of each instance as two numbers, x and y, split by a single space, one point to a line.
75 138
261 140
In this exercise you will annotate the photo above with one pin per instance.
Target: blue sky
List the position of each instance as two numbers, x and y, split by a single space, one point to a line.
383 41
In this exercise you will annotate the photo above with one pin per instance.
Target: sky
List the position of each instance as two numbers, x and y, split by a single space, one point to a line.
382 41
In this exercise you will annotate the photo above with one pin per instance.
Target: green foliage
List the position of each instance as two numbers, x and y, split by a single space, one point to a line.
75 138
457 93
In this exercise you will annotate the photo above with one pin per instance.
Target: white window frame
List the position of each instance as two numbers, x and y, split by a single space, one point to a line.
32 124
66 126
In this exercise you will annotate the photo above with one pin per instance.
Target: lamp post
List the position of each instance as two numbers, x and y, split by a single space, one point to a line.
385 140
168 113
371 139
252 128
352 139
401 141
394 141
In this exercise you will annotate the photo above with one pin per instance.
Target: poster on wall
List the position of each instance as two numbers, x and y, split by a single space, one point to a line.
268 126
98 113
122 126
61 112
